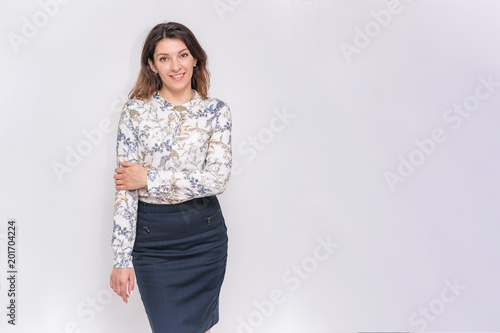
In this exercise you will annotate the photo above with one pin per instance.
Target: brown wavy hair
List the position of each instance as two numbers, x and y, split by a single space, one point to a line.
148 82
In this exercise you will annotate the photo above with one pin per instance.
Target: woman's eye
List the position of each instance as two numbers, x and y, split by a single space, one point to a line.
184 55
163 59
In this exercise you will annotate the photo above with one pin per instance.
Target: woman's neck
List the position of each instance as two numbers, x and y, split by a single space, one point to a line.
177 98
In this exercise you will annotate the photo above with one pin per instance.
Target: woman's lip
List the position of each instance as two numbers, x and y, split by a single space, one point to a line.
178 78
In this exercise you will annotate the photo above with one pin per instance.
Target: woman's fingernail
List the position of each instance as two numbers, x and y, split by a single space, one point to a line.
131 292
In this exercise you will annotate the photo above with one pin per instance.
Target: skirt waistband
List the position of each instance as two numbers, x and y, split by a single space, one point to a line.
193 204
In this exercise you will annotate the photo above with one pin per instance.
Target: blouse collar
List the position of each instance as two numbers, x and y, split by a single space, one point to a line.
158 97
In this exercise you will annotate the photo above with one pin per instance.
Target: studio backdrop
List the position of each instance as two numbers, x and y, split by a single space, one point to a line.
366 150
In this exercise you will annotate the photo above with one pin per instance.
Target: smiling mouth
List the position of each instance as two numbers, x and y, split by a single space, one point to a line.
177 76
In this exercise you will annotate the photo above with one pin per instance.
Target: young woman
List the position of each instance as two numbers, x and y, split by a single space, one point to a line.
174 157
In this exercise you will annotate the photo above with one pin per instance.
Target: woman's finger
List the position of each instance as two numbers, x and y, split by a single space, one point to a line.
131 284
123 290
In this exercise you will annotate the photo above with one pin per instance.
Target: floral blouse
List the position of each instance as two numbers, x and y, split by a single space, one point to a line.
186 150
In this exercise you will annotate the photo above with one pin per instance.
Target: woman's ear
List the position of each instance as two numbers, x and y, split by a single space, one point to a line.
152 66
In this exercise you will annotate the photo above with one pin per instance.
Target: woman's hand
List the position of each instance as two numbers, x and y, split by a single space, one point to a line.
119 279
131 176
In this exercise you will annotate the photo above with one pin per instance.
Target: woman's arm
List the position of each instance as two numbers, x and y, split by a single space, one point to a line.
126 201
125 214
211 179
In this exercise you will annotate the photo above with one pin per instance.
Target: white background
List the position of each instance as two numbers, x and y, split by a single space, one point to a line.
317 174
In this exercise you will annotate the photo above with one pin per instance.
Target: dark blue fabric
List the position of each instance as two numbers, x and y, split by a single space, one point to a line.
179 258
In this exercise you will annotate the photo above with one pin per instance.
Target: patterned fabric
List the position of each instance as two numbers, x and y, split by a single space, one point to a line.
186 150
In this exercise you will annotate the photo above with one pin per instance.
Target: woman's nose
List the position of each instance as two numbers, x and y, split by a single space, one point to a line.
175 65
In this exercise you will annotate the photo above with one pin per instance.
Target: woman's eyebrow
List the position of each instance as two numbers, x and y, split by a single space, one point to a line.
169 54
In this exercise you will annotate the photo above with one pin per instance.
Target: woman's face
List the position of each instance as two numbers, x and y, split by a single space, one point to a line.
174 63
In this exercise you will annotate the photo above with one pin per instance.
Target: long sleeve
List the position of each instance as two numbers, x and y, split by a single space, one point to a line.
178 183
126 201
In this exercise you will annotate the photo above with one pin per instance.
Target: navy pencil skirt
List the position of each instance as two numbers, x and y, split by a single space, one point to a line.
179 259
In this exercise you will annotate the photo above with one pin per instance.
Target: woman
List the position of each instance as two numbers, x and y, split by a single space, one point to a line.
174 148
